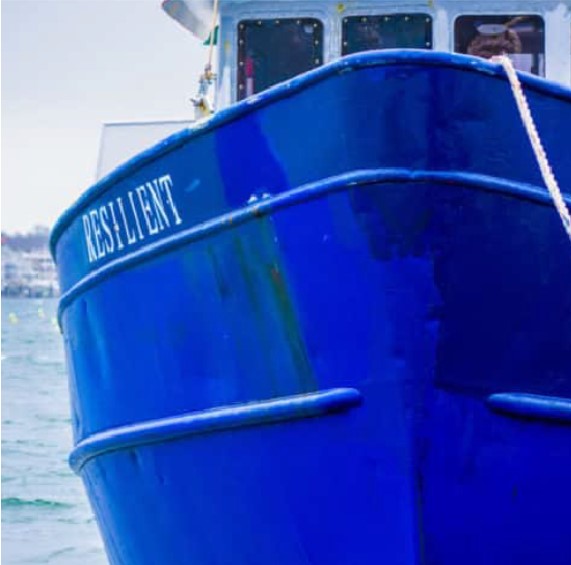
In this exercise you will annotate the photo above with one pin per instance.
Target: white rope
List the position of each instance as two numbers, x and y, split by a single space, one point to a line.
540 155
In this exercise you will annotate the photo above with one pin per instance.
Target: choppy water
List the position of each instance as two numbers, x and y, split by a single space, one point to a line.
45 514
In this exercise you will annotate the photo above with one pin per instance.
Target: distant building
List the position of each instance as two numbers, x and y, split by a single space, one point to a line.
28 273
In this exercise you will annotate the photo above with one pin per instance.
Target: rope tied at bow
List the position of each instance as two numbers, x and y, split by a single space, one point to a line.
533 135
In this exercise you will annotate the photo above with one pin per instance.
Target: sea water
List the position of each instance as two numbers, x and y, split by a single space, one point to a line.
45 514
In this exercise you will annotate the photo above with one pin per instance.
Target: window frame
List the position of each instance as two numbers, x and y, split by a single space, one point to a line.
242 21
379 14
533 13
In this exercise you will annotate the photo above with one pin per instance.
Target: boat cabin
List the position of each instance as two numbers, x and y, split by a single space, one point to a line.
261 43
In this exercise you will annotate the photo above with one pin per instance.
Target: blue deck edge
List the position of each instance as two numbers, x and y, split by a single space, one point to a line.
298 195
286 89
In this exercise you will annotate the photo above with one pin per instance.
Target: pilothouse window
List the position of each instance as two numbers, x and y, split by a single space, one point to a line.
270 51
405 31
519 36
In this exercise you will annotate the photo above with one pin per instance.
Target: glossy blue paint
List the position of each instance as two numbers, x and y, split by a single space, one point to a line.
379 225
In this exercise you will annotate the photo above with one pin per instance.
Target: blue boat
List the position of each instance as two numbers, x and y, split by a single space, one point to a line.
330 323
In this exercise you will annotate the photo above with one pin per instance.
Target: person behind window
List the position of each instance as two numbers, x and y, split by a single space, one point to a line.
494 39
520 37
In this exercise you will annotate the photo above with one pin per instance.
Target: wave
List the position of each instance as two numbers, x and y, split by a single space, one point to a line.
15 502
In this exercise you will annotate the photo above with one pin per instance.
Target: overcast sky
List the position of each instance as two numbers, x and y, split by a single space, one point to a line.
67 67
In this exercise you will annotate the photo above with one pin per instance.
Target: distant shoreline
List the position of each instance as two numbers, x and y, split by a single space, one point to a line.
30 292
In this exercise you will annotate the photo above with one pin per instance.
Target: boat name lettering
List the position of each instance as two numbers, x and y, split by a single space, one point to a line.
145 211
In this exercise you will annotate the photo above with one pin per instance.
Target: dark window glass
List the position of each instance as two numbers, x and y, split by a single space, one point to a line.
365 33
270 51
520 37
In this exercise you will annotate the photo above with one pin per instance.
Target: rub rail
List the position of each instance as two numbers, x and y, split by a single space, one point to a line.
221 419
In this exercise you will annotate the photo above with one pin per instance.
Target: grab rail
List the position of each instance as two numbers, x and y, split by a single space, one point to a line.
220 419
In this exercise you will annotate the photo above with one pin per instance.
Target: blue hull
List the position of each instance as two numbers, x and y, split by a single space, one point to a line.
330 326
